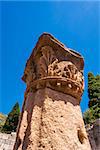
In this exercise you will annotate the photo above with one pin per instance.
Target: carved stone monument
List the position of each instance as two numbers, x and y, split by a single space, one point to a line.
51 118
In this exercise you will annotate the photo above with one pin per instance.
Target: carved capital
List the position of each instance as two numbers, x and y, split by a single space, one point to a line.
54 66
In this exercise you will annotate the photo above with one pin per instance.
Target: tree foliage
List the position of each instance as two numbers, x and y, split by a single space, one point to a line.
93 89
91 114
93 111
12 120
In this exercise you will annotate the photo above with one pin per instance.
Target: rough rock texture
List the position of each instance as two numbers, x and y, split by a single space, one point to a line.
7 141
51 118
94 135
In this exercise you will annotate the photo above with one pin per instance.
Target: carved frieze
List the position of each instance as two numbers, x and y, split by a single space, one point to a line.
65 69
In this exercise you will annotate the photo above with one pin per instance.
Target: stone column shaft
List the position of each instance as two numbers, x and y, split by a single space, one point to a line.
51 118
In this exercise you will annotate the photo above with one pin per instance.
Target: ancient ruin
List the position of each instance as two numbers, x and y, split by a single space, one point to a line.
51 117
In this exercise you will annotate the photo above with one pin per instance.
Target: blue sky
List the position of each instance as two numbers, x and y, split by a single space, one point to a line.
76 24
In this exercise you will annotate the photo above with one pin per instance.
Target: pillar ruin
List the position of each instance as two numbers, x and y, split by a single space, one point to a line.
51 117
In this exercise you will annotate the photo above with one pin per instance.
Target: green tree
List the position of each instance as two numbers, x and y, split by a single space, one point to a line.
93 89
12 119
93 112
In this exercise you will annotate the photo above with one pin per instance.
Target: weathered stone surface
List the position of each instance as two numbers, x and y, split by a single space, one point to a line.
7 141
51 118
94 135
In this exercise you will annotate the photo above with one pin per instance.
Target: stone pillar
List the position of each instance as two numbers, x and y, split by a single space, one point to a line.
94 134
51 118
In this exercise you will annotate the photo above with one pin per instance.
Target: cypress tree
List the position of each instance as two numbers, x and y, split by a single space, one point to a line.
93 112
12 120
93 89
